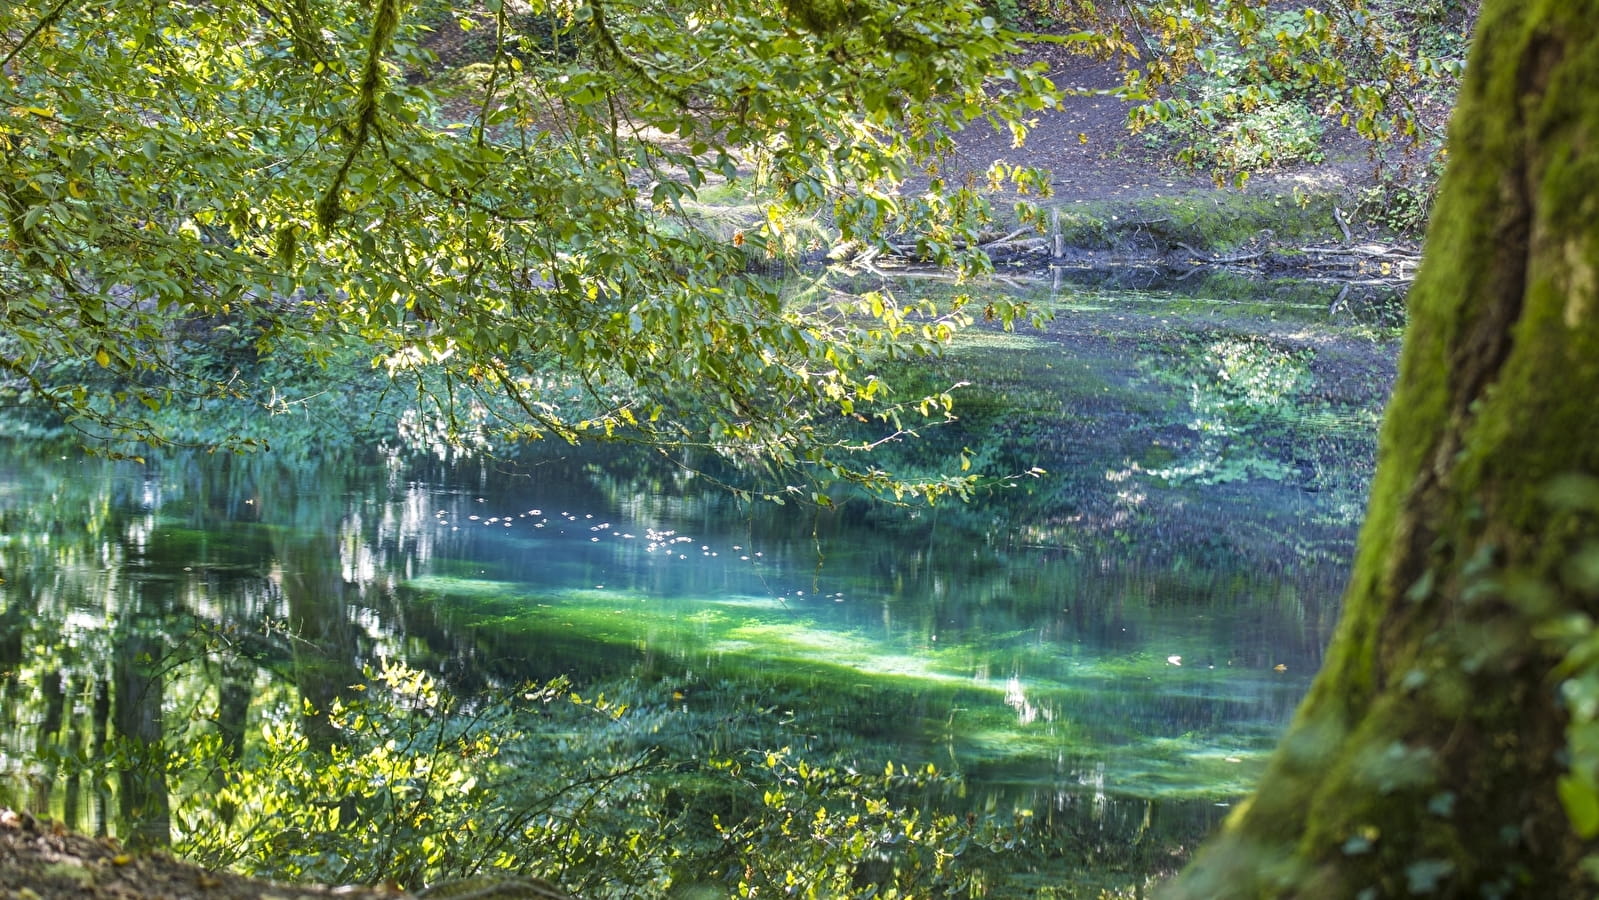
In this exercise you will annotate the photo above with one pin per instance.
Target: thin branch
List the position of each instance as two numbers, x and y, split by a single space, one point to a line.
384 25
1007 238
603 29
1338 216
493 84
44 22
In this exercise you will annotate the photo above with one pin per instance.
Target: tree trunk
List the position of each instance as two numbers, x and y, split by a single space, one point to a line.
1425 759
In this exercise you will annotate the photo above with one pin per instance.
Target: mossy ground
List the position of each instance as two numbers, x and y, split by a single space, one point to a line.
1215 221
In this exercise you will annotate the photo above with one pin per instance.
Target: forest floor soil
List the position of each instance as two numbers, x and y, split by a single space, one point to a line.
43 861
1087 146
1100 167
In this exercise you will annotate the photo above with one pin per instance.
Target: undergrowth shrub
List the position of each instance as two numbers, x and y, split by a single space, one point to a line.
1401 199
1227 124
419 788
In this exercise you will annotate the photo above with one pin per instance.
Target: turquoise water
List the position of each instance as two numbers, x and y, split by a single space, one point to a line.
1111 646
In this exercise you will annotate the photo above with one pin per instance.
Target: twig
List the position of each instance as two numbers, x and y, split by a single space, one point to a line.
1342 296
1007 238
44 22
1338 216
1205 259
1246 257
1119 226
908 250
1367 250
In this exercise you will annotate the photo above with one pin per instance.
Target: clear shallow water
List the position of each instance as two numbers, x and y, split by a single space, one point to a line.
1111 646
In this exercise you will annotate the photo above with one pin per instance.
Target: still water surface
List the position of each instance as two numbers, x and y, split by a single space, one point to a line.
1115 642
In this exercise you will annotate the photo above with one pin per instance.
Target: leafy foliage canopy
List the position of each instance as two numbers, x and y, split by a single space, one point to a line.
522 239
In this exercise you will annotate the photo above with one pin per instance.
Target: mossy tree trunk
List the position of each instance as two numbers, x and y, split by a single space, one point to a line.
1426 757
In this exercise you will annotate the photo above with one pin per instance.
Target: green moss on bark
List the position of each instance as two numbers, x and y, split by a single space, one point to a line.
1425 759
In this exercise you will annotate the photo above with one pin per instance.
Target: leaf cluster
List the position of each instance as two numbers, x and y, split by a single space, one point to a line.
1577 639
1250 81
423 789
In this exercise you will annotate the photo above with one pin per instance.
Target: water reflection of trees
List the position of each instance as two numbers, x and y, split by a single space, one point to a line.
142 603
214 592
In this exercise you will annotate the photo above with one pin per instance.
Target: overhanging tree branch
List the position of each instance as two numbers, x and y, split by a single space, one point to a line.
384 24
44 22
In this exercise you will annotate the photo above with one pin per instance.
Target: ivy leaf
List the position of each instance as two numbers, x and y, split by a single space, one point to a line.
1581 801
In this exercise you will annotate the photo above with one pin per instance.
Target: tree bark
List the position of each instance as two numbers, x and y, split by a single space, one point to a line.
1426 756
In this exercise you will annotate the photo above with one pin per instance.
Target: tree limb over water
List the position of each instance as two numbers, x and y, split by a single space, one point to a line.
528 253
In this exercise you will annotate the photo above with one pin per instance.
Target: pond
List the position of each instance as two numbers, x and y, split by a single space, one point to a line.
1107 649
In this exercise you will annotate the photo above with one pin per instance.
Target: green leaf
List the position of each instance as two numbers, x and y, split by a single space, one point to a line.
1581 801
1424 876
